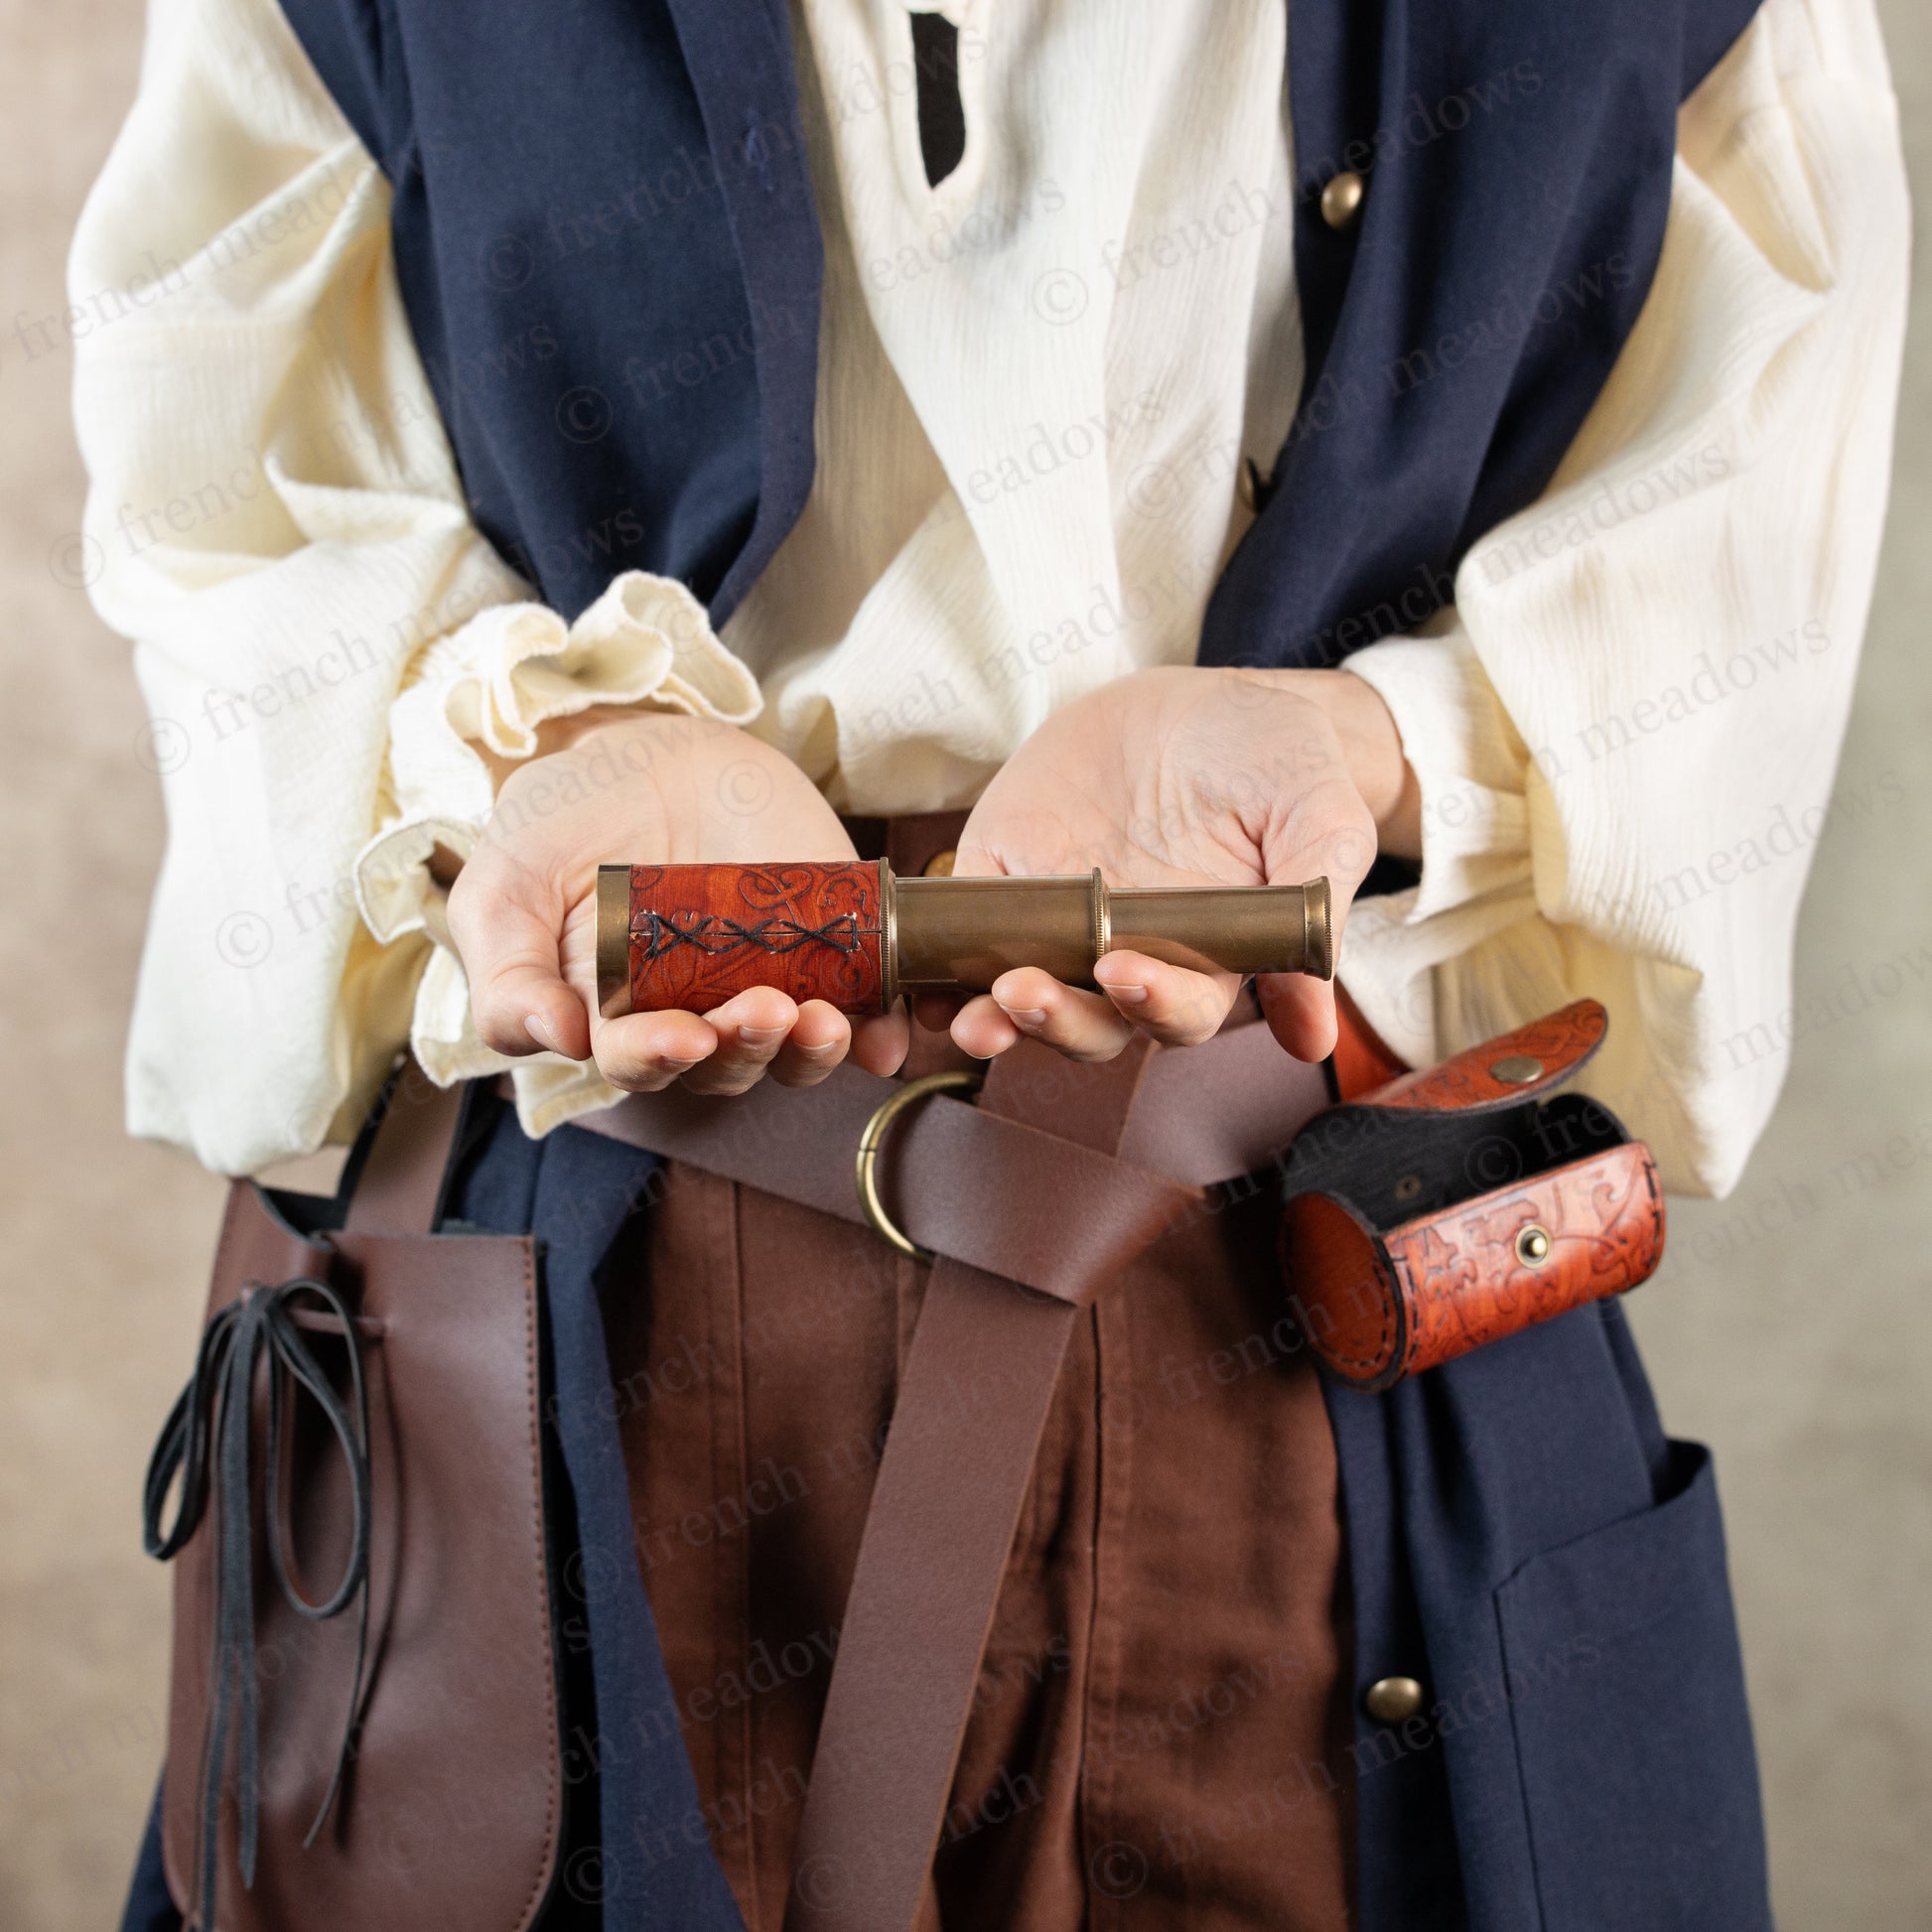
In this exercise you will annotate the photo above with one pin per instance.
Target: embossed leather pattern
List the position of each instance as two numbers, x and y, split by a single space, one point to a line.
1464 1283
701 933
1447 1209
1561 1042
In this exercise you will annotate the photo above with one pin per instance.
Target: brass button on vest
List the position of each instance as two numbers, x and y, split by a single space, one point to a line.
941 865
1341 198
1393 1700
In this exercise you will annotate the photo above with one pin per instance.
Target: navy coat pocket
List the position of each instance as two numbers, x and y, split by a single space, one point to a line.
1627 1697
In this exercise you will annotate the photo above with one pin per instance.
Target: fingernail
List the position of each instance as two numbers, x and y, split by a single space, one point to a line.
1026 1016
1127 989
537 1026
820 1050
677 1066
762 1036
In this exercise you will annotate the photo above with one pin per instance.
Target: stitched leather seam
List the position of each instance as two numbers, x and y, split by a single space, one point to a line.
735 1592
177 1888
1412 1289
1384 1342
1380 1359
545 1858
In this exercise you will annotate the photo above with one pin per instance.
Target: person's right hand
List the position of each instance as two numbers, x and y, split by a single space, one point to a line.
644 789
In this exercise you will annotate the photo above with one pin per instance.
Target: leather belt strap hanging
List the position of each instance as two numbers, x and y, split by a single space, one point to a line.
407 1170
1034 1200
972 1405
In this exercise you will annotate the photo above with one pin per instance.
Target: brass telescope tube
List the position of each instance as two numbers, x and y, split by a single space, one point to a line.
853 933
960 934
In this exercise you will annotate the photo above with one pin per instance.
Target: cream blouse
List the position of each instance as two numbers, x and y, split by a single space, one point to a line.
1037 382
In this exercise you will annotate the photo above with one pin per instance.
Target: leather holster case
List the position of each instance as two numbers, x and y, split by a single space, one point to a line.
1451 1207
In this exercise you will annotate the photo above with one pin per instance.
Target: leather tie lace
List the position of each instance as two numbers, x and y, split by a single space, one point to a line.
207 1438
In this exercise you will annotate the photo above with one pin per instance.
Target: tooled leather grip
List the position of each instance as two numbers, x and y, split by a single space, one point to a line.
1401 1250
695 935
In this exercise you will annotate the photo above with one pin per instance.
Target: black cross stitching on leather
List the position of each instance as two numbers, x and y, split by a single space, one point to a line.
712 934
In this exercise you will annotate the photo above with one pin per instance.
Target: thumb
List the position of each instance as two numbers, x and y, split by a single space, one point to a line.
972 859
1331 836
506 927
1301 1012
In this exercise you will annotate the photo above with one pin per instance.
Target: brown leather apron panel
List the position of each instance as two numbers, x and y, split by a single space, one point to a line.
1159 1731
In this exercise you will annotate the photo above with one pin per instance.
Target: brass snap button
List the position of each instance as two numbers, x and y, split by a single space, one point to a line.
1518 1071
941 865
1393 1700
865 1168
1341 198
1533 1245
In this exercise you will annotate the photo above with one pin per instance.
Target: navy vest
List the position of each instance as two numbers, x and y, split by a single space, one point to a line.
605 238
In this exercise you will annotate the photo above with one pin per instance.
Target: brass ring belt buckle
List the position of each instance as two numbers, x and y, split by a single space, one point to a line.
865 1168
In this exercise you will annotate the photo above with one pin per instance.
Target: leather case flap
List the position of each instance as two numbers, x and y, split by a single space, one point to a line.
1450 1208
1513 1067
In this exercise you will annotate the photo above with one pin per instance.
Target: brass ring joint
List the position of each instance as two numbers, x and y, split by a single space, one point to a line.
865 1168
887 938
1101 921
1318 929
612 940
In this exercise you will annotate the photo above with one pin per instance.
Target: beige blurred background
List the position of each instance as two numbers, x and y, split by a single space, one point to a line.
1793 1331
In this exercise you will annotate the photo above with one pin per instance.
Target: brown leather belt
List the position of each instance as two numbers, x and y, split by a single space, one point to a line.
1052 1182
1202 1117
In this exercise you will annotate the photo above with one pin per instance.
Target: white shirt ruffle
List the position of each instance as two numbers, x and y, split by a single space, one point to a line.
1023 489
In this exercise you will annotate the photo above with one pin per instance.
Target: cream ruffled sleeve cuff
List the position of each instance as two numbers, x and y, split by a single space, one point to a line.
1473 771
489 686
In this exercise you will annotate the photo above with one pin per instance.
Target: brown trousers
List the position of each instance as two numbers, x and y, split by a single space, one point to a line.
1159 1735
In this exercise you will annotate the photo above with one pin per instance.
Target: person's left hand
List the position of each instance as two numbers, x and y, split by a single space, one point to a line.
1187 776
